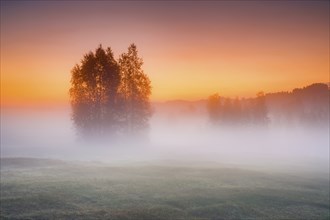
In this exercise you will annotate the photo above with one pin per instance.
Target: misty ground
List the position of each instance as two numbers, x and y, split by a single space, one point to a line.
57 189
186 169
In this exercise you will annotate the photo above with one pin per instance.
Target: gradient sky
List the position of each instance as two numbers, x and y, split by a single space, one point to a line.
190 49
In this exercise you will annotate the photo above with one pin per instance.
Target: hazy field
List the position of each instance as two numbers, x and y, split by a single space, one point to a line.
52 189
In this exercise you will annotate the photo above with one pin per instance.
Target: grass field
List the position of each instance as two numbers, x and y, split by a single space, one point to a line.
51 189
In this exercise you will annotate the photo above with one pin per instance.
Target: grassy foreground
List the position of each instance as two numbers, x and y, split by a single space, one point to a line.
50 189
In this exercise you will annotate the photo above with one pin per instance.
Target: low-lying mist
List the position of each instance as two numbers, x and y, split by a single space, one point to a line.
173 137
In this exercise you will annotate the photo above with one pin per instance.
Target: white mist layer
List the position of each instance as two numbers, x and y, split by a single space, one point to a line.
183 138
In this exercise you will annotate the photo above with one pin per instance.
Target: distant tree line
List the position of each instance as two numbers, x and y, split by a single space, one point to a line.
109 97
308 106
227 111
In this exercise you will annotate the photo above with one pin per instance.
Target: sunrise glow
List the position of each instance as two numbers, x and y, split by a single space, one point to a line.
226 47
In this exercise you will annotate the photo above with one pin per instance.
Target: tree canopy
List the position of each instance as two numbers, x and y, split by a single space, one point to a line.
135 90
110 98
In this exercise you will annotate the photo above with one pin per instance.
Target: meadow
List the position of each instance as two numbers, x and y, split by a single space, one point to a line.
54 189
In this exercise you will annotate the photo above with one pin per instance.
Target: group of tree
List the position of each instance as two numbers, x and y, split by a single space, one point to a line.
308 106
227 111
109 97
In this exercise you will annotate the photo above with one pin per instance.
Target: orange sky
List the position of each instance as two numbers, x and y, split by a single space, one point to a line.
190 49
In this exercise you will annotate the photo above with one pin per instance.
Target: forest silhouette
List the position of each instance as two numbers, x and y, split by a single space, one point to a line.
110 99
308 106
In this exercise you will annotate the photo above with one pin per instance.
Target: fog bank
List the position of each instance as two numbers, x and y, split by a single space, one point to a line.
173 136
